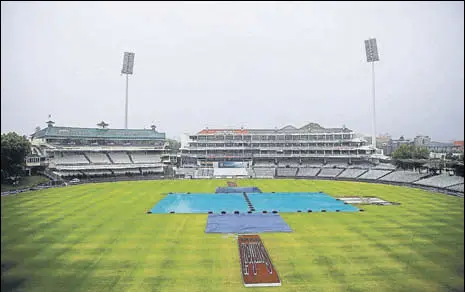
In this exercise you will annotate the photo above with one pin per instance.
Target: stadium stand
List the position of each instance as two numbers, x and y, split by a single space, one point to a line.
97 172
458 188
360 165
352 173
70 159
441 181
403 176
308 172
152 170
145 157
230 172
329 172
261 163
204 173
335 165
119 157
185 171
96 157
250 172
374 174
312 163
289 163
384 166
264 172
286 172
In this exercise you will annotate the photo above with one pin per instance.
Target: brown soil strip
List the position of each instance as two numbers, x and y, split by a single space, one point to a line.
256 266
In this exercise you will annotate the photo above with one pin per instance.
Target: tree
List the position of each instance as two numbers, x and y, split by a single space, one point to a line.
403 152
173 144
421 153
14 148
410 152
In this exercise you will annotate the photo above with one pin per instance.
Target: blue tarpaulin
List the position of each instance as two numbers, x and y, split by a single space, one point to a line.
246 223
227 190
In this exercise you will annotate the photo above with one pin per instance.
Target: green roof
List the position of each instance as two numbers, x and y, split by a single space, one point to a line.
98 133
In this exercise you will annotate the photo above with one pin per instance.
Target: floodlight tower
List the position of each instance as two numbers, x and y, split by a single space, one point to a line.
372 56
128 65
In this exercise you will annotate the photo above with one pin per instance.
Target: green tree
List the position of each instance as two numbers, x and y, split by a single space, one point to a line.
14 148
174 145
410 152
421 153
403 152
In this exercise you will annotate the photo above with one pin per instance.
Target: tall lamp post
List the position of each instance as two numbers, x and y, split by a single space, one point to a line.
372 56
128 65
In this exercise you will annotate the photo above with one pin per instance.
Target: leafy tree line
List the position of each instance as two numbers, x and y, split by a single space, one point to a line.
410 152
14 149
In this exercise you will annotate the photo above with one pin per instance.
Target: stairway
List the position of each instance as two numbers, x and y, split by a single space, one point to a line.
109 158
87 157
130 157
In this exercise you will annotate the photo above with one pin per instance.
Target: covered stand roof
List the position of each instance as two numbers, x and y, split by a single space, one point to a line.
100 133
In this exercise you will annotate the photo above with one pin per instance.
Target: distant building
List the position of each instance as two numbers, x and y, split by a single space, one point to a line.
392 145
382 142
441 147
420 141
459 145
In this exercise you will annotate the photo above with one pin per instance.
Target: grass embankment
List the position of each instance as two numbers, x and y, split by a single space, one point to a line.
26 182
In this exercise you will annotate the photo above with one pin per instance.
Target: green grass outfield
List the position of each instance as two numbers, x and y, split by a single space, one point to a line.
97 237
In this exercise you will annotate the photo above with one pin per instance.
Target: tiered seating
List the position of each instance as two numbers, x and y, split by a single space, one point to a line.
374 174
457 188
152 170
384 166
264 172
126 171
229 172
360 165
96 157
312 164
441 181
204 172
71 159
290 163
352 173
329 172
335 165
145 158
305 172
403 176
185 171
264 164
250 172
97 172
286 172
67 173
119 157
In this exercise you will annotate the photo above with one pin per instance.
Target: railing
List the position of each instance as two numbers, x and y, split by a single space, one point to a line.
110 148
284 148
107 166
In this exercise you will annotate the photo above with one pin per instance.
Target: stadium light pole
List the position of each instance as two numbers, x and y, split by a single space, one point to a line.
128 65
372 56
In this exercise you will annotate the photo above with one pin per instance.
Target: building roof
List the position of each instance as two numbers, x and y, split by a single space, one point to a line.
290 129
100 133
439 144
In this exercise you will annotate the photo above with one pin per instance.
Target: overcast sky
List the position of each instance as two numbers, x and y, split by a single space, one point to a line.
217 65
